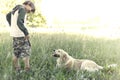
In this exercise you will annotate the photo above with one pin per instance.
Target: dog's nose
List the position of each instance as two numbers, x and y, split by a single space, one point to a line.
56 55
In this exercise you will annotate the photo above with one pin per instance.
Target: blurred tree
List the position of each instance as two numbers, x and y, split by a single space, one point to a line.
33 20
37 19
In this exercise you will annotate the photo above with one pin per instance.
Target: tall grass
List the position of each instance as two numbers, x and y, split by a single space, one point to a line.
102 51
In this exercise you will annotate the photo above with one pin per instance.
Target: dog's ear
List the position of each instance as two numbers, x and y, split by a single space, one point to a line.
64 57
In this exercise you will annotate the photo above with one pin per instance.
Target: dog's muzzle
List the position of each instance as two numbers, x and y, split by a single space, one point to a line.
56 55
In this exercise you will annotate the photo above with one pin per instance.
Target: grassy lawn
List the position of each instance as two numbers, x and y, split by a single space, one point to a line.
102 51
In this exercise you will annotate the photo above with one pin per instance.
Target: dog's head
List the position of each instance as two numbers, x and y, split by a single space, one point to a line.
60 53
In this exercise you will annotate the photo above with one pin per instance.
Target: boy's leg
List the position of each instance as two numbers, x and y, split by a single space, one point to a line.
16 63
16 53
27 49
26 62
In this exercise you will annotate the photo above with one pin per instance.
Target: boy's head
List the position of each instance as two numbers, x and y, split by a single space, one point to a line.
29 6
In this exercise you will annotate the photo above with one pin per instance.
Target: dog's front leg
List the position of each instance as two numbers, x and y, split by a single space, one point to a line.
58 65
68 65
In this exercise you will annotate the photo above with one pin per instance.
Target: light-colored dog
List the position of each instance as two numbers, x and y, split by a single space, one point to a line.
66 61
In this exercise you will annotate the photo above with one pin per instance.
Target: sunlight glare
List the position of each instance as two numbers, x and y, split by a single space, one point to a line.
62 11
73 14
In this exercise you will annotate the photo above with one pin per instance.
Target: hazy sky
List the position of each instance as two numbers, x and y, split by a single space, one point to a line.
106 10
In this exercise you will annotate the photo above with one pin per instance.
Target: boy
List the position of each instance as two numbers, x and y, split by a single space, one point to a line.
21 44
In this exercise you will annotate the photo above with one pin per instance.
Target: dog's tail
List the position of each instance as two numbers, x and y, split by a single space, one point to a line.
110 68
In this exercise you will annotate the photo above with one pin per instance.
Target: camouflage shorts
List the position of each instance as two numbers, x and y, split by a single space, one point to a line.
22 47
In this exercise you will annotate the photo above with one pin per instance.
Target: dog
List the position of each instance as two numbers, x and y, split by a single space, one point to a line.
64 60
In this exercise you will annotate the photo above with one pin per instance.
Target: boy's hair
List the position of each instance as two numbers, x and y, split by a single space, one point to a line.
30 4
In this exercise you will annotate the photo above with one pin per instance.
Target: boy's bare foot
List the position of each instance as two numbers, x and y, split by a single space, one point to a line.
17 69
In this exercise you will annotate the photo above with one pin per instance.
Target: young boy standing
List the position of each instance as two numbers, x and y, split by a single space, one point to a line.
21 44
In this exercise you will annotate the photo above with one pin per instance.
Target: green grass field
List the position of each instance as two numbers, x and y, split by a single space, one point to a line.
102 51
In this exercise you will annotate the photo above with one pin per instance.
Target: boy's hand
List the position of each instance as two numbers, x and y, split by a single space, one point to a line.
27 37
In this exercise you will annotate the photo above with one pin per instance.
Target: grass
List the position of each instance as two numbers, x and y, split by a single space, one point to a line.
102 51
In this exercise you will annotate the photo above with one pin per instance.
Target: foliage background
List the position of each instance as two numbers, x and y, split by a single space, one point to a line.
34 20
